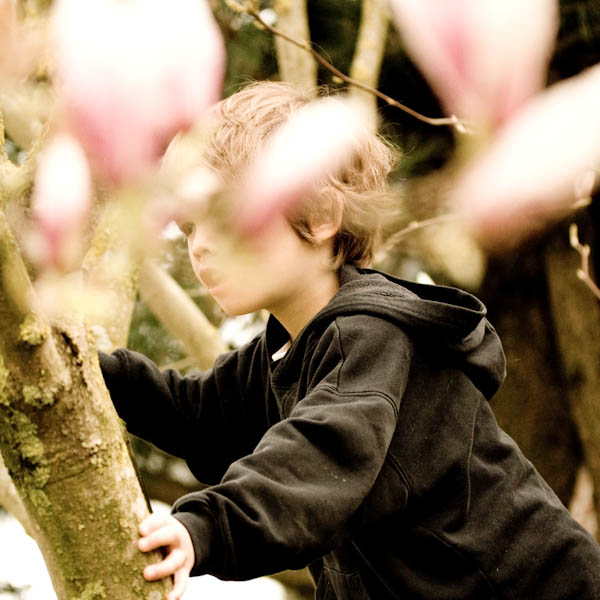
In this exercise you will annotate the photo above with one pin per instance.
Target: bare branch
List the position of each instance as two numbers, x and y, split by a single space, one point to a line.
370 46
11 501
180 315
583 272
413 226
295 65
16 291
453 120
117 278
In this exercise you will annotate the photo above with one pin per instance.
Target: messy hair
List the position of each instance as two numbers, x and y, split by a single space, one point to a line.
358 190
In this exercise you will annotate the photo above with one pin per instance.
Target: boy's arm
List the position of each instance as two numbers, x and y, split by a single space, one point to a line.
210 418
287 503
284 505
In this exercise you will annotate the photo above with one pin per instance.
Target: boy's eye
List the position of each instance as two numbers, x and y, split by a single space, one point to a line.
186 228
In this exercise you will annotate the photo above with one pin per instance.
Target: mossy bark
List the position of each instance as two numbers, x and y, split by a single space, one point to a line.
62 444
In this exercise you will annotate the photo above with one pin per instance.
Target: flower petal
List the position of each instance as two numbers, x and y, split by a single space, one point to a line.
61 200
483 59
529 174
126 95
313 143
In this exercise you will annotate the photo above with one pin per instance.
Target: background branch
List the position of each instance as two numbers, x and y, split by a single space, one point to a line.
368 54
295 65
453 120
180 315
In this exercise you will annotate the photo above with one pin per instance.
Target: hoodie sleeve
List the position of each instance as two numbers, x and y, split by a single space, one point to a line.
289 501
209 418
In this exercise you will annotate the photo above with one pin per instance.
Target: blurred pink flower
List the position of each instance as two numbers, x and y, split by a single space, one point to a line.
540 161
313 143
60 203
483 58
133 73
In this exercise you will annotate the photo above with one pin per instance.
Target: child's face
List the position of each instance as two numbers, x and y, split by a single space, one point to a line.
273 271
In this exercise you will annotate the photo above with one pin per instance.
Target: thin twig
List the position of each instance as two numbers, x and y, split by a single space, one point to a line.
413 226
583 272
453 120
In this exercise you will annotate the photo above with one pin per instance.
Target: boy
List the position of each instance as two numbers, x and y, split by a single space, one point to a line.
354 435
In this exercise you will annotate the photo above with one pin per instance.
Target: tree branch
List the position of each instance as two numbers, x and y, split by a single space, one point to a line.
370 46
453 120
117 278
11 501
295 65
583 272
16 291
180 315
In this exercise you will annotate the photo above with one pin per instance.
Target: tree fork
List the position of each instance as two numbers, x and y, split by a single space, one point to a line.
61 441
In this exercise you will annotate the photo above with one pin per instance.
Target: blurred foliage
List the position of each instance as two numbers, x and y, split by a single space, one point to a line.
13 152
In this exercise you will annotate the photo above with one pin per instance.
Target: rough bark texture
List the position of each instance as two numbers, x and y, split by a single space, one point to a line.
62 444
295 64
119 284
370 46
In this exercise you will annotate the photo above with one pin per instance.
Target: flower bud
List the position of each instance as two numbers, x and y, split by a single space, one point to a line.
314 142
538 164
133 73
60 204
483 58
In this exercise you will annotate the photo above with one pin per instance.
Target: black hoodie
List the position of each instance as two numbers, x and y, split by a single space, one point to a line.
369 452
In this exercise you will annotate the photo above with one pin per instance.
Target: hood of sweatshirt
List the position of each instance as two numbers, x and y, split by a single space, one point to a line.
444 322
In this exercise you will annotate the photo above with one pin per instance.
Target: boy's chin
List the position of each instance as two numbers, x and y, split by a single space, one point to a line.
234 311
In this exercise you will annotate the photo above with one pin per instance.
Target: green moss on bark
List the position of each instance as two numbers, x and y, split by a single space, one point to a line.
34 396
3 383
33 330
93 591
25 457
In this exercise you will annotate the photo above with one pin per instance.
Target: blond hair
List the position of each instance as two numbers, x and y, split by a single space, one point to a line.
245 120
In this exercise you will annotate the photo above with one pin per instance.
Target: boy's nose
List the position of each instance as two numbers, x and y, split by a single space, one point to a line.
201 241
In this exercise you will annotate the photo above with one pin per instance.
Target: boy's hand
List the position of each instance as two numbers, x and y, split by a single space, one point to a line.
161 530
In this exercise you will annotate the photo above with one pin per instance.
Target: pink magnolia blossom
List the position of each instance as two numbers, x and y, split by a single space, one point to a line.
133 73
60 204
483 58
313 143
537 165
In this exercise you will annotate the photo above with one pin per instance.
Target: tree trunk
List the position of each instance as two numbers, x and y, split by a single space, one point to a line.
295 64
577 324
61 441
532 404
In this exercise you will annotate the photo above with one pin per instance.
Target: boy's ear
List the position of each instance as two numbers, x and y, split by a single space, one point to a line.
326 225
